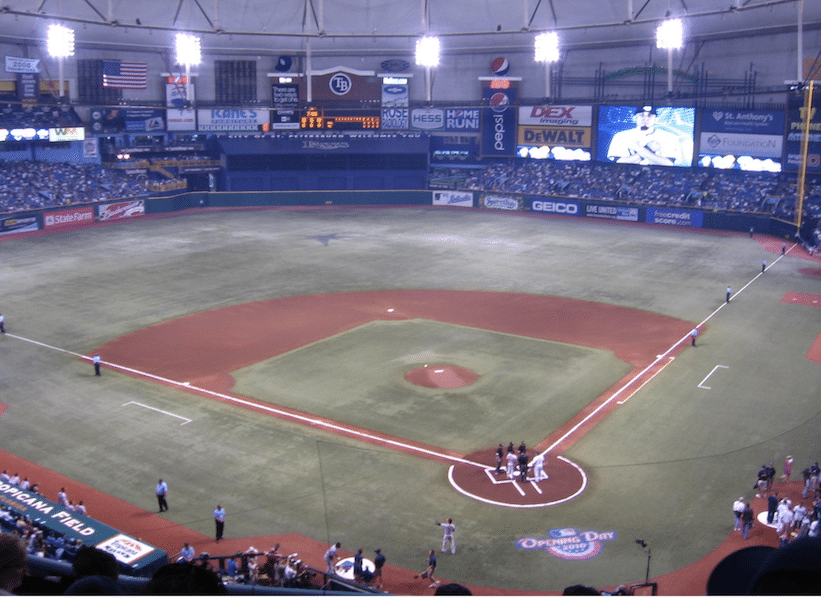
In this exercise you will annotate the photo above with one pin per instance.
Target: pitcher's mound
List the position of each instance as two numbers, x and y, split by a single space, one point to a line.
441 376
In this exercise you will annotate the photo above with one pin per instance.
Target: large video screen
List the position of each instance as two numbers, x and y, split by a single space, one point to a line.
660 136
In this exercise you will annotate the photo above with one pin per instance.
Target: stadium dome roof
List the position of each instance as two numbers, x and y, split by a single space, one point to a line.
390 27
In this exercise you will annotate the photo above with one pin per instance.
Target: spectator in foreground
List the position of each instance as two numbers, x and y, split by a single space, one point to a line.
13 558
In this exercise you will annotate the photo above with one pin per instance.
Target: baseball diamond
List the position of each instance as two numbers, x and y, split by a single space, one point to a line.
352 390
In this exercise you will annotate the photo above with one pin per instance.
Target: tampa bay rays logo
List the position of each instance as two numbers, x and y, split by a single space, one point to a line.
568 544
340 84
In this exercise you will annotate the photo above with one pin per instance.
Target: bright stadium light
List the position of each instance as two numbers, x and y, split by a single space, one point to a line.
670 35
60 41
189 53
60 45
547 47
188 48
427 51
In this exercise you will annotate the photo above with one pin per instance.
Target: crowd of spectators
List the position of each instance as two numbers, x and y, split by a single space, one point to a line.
31 185
38 539
14 115
734 191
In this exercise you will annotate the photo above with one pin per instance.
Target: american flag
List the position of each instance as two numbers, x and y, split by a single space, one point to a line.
125 75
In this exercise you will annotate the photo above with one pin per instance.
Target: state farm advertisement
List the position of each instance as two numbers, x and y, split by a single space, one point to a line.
66 218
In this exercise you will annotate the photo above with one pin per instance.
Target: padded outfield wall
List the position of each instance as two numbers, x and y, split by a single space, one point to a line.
53 219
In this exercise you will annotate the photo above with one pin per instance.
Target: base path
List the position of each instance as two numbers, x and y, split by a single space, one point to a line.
187 352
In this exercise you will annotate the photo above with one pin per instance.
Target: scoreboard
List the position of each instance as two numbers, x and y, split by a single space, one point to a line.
339 119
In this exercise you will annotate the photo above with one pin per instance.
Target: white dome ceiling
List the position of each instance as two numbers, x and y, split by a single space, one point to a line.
389 27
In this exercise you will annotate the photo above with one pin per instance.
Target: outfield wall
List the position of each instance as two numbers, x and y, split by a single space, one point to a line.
54 219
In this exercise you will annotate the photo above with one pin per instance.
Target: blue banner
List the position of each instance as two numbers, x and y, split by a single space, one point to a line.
499 122
758 122
673 217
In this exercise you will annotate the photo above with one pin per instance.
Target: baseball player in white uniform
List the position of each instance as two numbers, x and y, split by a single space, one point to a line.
538 467
510 468
450 529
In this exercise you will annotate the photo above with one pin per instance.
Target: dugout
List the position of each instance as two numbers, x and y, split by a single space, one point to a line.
324 162
134 556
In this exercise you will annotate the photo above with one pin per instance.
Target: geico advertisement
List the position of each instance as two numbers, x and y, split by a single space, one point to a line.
564 136
567 208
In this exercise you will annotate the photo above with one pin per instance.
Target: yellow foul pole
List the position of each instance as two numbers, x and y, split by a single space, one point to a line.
805 144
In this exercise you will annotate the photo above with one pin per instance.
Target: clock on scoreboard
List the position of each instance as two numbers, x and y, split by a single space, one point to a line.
339 119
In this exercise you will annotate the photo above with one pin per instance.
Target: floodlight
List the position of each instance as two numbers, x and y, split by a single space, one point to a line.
427 51
60 41
188 49
547 47
670 34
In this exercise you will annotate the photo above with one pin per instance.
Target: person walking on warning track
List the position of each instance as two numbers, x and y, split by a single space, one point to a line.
96 361
729 292
693 335
161 491
431 569
448 536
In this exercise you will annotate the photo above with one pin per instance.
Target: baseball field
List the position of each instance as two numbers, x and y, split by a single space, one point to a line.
346 375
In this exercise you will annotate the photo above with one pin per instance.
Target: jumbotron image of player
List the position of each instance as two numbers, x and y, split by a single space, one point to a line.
645 144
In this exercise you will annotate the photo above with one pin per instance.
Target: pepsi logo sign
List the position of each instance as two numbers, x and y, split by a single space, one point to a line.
500 66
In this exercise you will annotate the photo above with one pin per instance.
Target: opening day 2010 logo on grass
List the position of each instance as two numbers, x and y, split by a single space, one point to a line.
566 543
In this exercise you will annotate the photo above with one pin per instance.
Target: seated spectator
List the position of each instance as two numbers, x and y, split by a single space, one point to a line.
178 579
13 558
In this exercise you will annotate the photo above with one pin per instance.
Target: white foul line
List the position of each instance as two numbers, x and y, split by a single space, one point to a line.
647 369
701 384
661 369
285 414
187 421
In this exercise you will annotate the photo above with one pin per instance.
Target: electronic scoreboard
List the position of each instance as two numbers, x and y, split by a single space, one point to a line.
339 119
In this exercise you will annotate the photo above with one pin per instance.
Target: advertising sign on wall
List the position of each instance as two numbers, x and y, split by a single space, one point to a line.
67 218
179 118
755 133
499 118
795 133
231 120
285 99
395 99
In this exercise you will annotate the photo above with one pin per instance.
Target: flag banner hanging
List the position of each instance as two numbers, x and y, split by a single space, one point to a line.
125 75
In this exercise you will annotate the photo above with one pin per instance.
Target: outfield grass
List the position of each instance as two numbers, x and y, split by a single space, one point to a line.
664 467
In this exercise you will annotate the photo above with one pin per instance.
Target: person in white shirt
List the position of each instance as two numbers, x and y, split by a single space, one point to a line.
510 467
15 479
538 468
331 556
738 509
448 536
